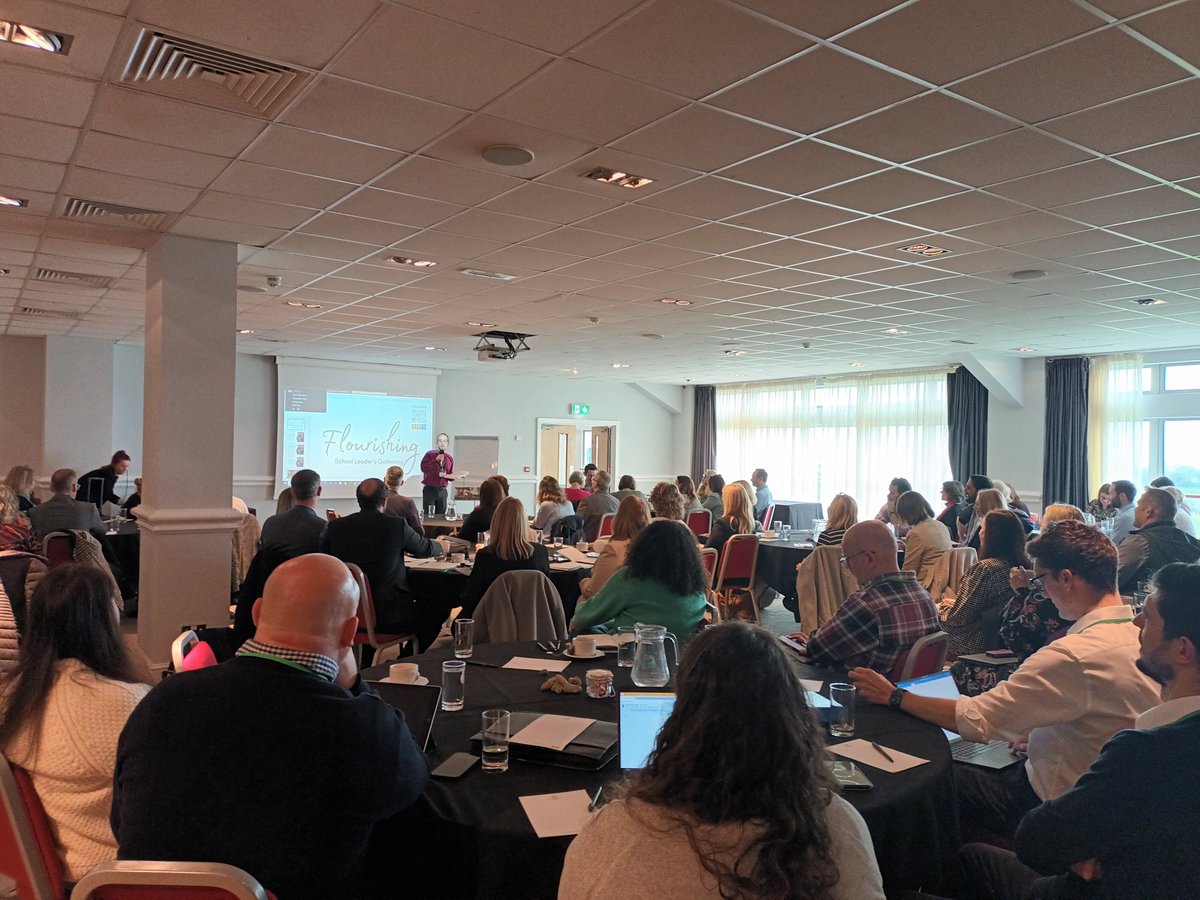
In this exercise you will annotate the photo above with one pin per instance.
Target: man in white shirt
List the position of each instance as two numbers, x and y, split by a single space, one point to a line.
1124 493
1066 700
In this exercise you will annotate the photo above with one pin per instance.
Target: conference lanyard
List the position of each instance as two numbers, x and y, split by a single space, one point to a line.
287 662
1104 622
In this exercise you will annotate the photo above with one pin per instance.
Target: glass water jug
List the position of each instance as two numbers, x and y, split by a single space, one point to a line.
650 667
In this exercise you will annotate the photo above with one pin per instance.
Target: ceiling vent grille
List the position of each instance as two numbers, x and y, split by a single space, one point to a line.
201 73
59 277
40 313
86 209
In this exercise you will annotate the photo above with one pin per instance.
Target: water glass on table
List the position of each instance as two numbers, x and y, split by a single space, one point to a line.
430 511
496 723
464 638
626 646
454 684
841 722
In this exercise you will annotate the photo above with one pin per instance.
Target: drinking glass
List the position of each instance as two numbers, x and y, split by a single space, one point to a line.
626 646
842 721
454 687
431 511
464 638
485 538
818 525
450 512
558 542
495 739
776 527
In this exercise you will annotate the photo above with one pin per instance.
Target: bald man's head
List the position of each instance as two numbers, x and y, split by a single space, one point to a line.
869 550
309 603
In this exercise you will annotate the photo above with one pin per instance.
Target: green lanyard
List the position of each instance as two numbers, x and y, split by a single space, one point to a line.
288 662
1104 622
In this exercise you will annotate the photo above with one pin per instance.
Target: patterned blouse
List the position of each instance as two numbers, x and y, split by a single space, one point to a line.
984 586
1029 622
19 535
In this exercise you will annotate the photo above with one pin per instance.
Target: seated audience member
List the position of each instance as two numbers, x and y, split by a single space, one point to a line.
134 500
700 822
687 490
882 619
952 496
713 502
1124 495
1102 507
887 512
398 505
596 505
927 539
1154 542
1066 700
589 476
63 513
479 520
738 518
575 491
985 586
627 487
666 501
986 501
842 515
20 479
502 481
508 550
280 761
1030 620
285 501
299 530
1129 826
704 489
15 531
632 516
552 505
968 519
661 583
376 543
762 493
1010 496
75 684
97 486
1183 512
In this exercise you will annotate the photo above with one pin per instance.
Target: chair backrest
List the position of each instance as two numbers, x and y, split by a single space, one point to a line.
949 570
926 657
606 525
739 560
822 584
700 521
59 548
521 605
767 516
146 880
27 851
708 556
366 607
189 653
568 528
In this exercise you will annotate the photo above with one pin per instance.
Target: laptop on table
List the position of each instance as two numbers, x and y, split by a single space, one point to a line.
992 755
418 702
642 714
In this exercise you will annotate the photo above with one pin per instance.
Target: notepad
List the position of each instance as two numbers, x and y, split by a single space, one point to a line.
534 664
557 815
811 685
552 732
862 751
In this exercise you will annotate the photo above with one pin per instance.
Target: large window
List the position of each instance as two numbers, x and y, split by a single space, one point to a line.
852 434
1171 429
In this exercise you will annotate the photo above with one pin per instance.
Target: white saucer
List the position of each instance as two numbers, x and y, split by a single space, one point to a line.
421 680
596 654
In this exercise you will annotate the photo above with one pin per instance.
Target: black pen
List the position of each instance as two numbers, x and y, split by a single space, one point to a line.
595 798
886 755
476 662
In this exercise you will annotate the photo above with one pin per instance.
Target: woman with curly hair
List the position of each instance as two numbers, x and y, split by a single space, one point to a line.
15 531
666 501
702 820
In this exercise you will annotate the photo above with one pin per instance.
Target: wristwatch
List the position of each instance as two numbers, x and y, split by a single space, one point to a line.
897 698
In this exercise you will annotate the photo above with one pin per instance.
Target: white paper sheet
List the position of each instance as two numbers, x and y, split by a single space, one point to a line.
536 664
567 567
610 641
576 556
551 731
861 751
811 685
557 815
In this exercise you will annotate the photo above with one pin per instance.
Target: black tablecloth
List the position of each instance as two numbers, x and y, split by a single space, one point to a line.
470 838
777 561
798 513
125 549
426 584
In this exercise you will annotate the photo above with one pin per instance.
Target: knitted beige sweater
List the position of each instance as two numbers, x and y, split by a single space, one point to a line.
72 763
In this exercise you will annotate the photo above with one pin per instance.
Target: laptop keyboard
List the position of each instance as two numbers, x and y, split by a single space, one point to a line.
964 751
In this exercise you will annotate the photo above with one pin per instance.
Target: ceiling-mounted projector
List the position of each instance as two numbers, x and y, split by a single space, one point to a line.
500 345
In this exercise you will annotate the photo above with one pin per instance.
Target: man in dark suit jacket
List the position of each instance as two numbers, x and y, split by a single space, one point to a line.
297 531
376 543
62 513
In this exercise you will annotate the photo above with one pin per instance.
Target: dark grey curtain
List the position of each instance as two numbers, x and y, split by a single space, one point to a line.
704 440
967 415
1065 468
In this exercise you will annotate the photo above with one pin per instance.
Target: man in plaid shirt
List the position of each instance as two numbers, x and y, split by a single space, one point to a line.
883 619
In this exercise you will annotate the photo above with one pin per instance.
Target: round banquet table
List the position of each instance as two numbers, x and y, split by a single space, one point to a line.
436 526
445 587
469 837
777 561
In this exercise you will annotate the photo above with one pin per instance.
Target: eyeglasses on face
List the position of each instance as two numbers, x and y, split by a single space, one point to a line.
845 560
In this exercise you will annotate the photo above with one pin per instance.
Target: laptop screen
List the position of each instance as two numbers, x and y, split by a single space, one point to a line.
940 685
418 702
642 715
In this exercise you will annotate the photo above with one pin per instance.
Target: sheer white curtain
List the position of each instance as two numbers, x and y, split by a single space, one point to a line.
1115 441
853 434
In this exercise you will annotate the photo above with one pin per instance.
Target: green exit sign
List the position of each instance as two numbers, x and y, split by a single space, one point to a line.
580 409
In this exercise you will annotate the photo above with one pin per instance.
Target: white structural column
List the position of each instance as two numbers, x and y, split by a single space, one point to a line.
186 515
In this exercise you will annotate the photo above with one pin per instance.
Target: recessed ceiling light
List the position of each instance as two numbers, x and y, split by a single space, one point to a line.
245 331
482 324
409 261
735 352
1150 301
251 289
4 270
12 201
35 38
896 331
1027 274
313 306
620 365
651 336
1026 350
674 302
504 155
438 349
571 371
857 365
494 276
925 250
614 176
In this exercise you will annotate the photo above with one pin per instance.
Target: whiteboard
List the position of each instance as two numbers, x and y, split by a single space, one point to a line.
480 456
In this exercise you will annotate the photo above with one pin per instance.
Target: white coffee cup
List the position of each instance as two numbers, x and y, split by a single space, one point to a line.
582 546
457 557
584 645
404 673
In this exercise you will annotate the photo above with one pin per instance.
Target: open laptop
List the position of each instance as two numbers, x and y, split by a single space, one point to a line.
642 714
418 702
992 755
